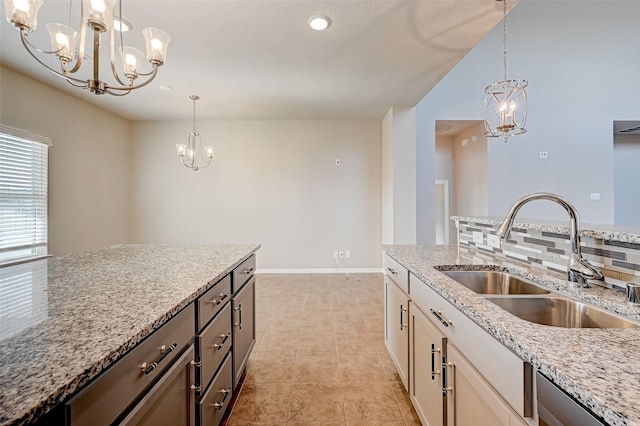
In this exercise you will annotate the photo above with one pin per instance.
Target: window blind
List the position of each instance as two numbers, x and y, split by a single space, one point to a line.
23 194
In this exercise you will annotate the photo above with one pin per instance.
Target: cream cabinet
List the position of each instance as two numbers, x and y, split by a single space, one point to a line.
396 328
470 399
427 348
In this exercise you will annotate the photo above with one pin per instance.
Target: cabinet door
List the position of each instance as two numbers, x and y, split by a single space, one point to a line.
426 345
171 401
396 334
471 400
244 335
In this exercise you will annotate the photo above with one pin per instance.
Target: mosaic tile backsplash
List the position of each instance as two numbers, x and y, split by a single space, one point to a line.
619 261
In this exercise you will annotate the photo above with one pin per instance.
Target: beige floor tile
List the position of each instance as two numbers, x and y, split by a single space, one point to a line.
262 402
317 342
389 367
310 369
404 402
364 344
361 368
394 422
275 345
315 402
270 369
370 401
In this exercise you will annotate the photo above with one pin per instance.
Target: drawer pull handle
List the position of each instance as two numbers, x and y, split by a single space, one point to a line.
239 323
434 351
164 351
197 364
195 388
220 298
247 271
219 346
225 392
393 271
443 320
402 323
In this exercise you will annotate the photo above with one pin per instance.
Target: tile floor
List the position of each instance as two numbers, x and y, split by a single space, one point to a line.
320 355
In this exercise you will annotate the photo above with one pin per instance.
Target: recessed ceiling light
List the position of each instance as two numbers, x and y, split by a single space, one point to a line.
122 25
319 22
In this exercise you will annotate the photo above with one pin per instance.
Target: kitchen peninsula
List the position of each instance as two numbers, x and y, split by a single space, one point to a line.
79 315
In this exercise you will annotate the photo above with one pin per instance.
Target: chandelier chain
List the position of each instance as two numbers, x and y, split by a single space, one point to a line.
504 37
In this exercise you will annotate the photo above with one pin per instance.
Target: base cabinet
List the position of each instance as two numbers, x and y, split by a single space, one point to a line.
171 400
426 356
396 327
244 328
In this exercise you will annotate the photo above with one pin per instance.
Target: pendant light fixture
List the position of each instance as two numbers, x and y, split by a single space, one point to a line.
505 102
97 17
192 154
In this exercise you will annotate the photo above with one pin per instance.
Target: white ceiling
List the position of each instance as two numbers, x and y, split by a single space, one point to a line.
258 59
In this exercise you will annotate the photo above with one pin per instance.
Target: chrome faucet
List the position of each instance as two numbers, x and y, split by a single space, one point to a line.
579 269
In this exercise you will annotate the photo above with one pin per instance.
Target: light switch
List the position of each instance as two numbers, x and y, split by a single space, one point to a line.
595 196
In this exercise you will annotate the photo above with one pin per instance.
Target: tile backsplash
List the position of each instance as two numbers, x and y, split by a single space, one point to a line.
619 261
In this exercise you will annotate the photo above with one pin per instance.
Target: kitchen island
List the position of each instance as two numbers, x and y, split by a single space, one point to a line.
598 367
72 317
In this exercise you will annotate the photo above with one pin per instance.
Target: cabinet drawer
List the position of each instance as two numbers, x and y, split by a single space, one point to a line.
213 403
398 273
506 372
210 303
171 401
242 273
214 343
110 394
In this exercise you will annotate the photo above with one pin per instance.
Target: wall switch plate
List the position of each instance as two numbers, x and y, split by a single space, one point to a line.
347 254
341 254
594 195
338 161
335 254
477 237
493 240
543 154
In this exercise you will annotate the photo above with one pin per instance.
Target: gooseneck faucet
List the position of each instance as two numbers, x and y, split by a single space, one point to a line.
579 269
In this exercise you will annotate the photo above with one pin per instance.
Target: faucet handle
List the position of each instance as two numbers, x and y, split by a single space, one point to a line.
584 269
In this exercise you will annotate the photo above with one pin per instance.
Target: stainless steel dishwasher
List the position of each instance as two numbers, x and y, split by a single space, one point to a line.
556 408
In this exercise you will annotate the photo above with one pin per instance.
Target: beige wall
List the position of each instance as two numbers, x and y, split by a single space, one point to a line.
88 164
275 183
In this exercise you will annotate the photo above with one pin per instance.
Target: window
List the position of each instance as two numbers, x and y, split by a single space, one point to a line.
23 195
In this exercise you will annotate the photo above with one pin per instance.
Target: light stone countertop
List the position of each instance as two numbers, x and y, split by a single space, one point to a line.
598 367
625 234
84 311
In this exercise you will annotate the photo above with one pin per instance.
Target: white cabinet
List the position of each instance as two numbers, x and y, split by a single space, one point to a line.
470 399
396 330
426 345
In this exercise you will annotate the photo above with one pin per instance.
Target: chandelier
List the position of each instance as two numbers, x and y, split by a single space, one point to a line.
192 154
97 16
505 102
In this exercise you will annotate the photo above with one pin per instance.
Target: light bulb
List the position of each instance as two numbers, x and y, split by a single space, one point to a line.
130 60
22 5
156 44
62 40
98 5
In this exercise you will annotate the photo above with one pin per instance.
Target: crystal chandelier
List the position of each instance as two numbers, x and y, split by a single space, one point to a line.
97 16
505 102
192 154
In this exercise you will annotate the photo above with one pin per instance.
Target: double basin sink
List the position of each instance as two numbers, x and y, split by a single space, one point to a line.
540 305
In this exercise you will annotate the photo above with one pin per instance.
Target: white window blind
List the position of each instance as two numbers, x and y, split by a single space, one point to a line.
23 194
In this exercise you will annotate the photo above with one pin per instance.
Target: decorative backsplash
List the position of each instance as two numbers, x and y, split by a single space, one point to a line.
619 261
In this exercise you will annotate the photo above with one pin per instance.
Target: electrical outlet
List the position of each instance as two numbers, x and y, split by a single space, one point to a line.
335 254
338 161
493 240
341 254
347 254
544 154
477 237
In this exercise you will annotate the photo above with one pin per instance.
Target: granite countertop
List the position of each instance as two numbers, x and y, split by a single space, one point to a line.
80 313
625 234
598 367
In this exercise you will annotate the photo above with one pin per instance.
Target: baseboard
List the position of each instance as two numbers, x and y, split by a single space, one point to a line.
321 271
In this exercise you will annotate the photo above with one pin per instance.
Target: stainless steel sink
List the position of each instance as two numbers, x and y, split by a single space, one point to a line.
494 282
559 312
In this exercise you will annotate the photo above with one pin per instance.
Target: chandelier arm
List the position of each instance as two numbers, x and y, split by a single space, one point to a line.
117 93
34 47
59 74
144 83
83 32
113 57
